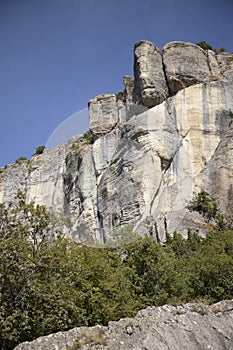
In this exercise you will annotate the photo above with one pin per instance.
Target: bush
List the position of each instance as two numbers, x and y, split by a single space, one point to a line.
120 96
88 137
204 45
20 159
40 149
222 49
204 205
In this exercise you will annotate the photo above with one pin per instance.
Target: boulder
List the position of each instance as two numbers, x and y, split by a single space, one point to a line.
103 113
185 64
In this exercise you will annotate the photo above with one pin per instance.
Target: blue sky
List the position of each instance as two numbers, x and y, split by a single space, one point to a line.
55 55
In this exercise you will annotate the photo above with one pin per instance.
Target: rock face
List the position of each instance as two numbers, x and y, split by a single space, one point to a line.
104 108
141 165
217 176
129 88
185 65
190 326
150 85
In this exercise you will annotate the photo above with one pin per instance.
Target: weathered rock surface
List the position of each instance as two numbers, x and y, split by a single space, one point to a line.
189 326
217 177
140 165
129 88
41 178
185 65
103 113
150 85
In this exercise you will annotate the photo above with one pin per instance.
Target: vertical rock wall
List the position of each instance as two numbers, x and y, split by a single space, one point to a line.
150 85
141 165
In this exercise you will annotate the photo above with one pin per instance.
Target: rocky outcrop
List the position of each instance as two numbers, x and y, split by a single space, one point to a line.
105 111
129 88
217 176
190 326
181 64
41 178
150 84
141 165
185 65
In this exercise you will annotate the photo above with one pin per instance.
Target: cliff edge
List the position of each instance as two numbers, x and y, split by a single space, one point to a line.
146 153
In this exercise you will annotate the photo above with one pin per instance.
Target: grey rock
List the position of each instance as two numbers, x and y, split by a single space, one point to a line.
185 65
142 165
225 62
150 85
41 178
129 88
142 172
103 113
217 177
213 64
189 326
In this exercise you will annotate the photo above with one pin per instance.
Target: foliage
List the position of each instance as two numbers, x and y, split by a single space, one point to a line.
204 45
222 49
230 112
88 137
204 205
20 159
121 237
120 96
40 149
49 284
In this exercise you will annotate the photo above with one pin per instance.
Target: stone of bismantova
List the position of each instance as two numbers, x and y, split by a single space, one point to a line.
167 136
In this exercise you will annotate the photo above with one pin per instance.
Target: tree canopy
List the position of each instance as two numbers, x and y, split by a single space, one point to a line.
49 283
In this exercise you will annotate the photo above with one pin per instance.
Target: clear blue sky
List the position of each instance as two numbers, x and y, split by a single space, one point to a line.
55 55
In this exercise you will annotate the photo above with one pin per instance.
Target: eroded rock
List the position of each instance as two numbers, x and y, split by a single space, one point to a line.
141 165
103 111
150 85
189 326
185 65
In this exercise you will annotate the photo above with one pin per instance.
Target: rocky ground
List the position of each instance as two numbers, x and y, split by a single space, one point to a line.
190 326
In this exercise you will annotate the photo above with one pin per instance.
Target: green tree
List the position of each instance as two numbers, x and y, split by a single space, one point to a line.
50 284
31 255
204 204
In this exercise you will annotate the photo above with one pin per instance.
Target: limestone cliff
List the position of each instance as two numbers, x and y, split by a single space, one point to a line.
190 326
146 154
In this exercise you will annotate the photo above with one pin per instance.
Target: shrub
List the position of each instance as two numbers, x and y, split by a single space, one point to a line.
204 45
120 96
40 149
222 49
88 137
20 159
204 205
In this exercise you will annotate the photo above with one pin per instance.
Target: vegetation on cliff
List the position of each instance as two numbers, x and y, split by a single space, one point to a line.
49 284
